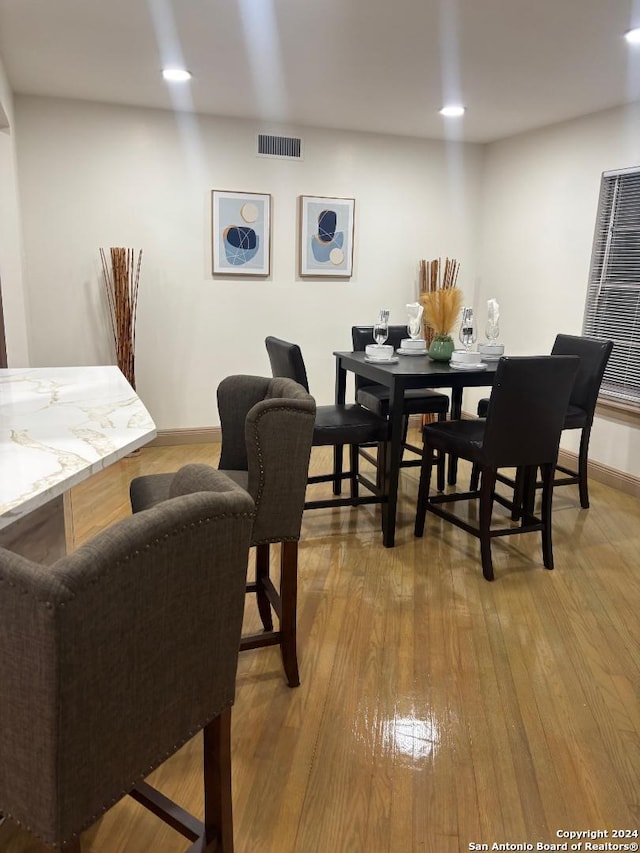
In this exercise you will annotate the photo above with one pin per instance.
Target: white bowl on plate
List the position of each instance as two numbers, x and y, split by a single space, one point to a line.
462 356
491 349
414 344
383 352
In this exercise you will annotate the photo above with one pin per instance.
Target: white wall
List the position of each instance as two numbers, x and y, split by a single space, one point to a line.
96 176
538 216
10 236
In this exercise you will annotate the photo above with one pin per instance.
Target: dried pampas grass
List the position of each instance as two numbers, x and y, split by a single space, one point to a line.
435 277
441 309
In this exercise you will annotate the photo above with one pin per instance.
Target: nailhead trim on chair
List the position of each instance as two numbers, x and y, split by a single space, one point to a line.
275 541
175 532
259 454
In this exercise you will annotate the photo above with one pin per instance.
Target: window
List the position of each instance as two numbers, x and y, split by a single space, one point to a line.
612 308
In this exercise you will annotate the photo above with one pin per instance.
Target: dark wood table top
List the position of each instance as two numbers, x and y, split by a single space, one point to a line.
415 371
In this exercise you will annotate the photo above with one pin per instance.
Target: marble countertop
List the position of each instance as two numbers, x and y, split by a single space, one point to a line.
60 425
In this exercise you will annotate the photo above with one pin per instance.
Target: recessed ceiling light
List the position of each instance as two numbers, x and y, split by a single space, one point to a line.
633 36
176 75
452 111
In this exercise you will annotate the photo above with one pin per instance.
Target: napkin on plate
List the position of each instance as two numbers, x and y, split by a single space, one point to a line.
493 311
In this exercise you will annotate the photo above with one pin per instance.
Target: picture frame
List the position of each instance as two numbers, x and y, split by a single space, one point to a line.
326 236
241 233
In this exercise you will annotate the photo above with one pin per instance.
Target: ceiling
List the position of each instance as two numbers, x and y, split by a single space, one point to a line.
367 65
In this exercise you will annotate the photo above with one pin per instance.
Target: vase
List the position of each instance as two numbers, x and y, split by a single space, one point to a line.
441 348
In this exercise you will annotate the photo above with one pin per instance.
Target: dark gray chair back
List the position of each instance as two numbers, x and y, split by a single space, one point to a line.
267 432
115 656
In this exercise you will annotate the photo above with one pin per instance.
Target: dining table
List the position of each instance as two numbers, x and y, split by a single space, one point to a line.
398 375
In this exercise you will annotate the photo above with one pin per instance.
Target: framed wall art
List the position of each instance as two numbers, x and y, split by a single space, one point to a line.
241 233
326 236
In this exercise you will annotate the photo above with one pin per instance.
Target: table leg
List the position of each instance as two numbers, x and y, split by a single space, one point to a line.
393 460
341 383
456 414
338 450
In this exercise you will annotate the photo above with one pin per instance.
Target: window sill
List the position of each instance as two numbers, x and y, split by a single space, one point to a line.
617 410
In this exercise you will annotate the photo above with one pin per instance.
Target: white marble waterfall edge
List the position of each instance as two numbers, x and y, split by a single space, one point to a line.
60 425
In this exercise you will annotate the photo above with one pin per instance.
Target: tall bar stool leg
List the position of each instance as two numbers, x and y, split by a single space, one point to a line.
289 607
337 469
547 496
262 576
583 468
487 486
218 810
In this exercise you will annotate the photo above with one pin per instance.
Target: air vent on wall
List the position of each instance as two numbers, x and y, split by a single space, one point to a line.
289 147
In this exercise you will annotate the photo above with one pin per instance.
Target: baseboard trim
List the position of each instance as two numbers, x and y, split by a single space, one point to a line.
620 480
200 435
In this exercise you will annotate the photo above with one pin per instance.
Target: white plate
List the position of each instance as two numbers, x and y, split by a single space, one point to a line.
392 360
463 366
401 351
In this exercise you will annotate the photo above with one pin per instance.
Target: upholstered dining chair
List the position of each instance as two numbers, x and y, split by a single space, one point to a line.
267 428
594 355
524 422
336 426
115 656
417 401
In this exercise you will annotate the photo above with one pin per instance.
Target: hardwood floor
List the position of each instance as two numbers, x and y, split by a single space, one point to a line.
436 710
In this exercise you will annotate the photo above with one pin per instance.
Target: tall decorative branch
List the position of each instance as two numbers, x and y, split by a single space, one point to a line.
434 276
121 279
441 300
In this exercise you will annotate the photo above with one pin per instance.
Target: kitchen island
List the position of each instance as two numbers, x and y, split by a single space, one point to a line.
58 426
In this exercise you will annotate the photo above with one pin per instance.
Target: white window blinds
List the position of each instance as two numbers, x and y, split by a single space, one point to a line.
612 308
